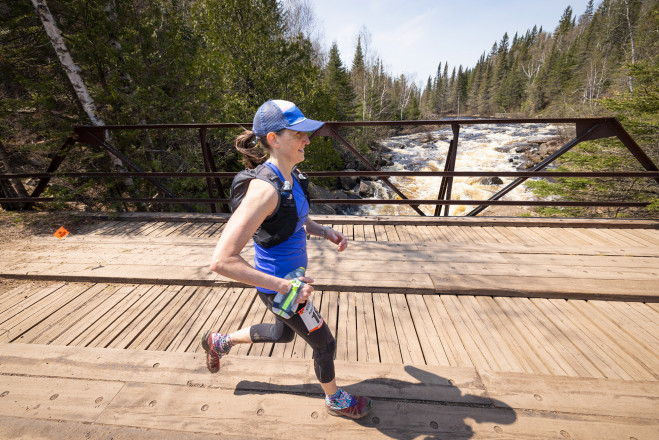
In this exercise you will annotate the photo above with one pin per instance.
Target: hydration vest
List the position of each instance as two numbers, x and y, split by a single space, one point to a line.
280 225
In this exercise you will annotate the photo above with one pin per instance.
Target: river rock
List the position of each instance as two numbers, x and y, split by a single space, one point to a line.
348 183
366 189
319 192
491 181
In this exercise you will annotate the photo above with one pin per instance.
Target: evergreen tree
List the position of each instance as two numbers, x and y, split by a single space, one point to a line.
337 80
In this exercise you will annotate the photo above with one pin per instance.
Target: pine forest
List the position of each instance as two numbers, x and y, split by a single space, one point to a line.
207 61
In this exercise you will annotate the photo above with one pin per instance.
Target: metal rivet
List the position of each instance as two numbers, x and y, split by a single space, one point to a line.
260 412
434 425
538 397
376 420
99 400
565 434
498 429
152 403
54 396
314 415
204 408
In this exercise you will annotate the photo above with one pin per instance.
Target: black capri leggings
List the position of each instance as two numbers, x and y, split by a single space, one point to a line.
321 340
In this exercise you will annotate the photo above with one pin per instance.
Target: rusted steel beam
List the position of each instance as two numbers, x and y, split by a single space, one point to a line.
204 153
56 161
328 130
447 182
360 202
129 163
211 162
231 174
632 146
367 123
567 147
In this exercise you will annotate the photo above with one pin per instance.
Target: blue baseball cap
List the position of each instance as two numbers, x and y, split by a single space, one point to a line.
277 114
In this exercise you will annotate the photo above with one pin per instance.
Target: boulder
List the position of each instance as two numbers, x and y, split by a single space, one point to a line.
491 181
366 189
348 183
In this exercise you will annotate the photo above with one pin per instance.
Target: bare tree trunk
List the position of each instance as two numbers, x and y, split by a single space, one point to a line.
631 38
80 89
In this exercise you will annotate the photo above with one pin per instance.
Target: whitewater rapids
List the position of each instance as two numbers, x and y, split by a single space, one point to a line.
488 147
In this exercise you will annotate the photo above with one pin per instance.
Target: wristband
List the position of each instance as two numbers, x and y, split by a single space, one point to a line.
322 232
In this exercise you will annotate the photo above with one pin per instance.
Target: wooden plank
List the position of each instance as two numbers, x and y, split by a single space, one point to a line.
182 321
459 319
342 327
359 232
510 336
392 234
573 348
502 355
29 429
369 233
49 398
14 296
430 342
21 323
408 340
469 232
217 316
450 339
579 335
649 236
122 317
158 323
506 235
27 302
535 340
608 346
133 329
628 238
574 395
645 357
58 322
628 321
367 342
476 332
351 324
380 233
98 317
544 287
387 338
573 238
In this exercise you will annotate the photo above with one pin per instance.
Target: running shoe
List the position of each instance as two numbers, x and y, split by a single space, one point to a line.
212 355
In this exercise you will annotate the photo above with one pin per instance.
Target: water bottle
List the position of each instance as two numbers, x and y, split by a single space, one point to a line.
284 305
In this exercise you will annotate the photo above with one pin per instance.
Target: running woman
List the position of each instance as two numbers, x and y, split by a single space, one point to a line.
271 206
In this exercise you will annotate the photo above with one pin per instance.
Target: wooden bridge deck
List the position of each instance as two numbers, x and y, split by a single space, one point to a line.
457 329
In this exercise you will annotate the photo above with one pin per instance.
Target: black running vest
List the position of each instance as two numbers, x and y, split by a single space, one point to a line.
280 225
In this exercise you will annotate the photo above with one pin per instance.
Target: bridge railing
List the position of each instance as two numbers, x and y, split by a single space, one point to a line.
586 129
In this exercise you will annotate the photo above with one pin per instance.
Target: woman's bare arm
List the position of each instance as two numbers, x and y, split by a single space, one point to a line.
259 202
335 237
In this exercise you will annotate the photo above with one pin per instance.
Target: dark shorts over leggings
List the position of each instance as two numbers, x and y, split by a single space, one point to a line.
284 330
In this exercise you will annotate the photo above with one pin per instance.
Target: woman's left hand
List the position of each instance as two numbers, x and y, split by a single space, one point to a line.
306 290
337 238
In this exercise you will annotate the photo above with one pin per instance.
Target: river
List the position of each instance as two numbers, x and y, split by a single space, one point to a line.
488 147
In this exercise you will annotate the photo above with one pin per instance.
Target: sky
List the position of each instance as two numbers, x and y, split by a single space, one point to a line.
413 36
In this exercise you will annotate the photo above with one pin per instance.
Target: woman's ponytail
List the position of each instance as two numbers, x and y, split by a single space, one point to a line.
252 149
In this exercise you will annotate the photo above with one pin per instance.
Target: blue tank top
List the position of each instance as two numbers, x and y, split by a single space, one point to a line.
285 257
